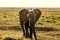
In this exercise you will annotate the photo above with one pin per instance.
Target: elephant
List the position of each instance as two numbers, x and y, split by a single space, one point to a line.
28 18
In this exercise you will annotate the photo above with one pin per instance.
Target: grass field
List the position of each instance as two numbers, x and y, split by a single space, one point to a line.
50 17
41 35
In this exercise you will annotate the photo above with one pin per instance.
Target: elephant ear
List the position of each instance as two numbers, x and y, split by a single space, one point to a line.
24 11
38 13
23 14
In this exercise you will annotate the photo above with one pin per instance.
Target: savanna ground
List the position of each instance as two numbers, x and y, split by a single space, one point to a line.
49 21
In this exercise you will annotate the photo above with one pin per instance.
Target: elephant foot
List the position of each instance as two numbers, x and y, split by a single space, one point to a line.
27 35
30 37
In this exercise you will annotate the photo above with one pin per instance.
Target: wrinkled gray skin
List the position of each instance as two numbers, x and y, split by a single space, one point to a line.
28 17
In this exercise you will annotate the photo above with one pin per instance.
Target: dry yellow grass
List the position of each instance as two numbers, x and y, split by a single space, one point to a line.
52 35
50 18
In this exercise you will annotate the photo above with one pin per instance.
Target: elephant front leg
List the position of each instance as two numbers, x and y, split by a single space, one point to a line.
23 28
34 32
30 32
26 30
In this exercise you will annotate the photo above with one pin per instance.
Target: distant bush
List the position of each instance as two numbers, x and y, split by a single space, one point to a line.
41 23
0 37
42 16
48 21
52 21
